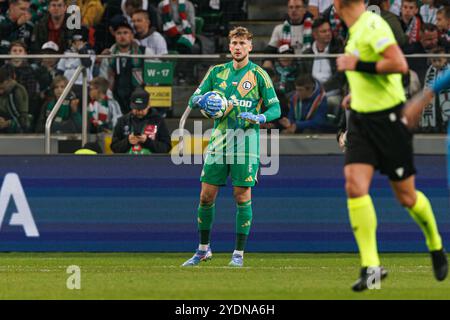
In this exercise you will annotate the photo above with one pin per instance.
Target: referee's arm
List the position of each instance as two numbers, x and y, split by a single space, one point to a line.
393 61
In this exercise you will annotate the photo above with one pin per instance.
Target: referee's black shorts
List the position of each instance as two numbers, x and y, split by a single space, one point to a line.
382 140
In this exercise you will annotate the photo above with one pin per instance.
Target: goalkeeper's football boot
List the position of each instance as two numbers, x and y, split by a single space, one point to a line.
440 264
368 276
198 257
236 261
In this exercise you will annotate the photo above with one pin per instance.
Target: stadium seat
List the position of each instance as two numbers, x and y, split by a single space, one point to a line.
199 23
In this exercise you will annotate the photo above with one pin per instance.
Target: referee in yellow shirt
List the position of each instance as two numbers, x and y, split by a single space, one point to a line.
377 138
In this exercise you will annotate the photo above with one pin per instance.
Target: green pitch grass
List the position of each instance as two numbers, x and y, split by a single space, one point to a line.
159 276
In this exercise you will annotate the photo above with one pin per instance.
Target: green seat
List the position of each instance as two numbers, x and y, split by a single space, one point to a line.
199 22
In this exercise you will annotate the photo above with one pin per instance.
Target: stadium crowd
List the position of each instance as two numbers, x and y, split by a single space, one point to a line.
310 90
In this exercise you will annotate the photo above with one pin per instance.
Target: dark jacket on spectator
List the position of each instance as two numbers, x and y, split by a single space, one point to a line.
11 31
396 26
284 107
337 79
41 32
14 107
127 76
129 124
44 79
26 76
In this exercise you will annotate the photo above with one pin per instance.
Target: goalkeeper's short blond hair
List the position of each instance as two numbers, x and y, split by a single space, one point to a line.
240 32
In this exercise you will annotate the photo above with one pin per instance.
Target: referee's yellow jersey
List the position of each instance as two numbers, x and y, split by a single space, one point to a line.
370 35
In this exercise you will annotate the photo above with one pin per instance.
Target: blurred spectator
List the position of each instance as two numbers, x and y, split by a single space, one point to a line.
179 25
45 69
146 35
103 30
317 7
308 107
3 6
38 9
443 24
68 118
104 111
286 69
141 131
395 7
15 24
23 72
338 27
52 27
13 104
131 6
411 20
68 66
323 69
283 121
91 12
392 20
296 31
428 11
124 74
436 115
25 75
428 41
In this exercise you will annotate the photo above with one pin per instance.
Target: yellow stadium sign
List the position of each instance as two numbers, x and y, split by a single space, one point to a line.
160 96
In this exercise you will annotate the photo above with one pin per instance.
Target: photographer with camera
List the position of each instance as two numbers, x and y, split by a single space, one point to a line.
142 130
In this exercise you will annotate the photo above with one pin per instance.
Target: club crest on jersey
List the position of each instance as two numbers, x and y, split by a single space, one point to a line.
247 85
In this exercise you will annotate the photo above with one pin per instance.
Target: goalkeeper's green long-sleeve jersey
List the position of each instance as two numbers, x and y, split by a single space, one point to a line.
248 88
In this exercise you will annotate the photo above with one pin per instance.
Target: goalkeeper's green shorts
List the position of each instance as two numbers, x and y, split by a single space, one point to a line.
242 174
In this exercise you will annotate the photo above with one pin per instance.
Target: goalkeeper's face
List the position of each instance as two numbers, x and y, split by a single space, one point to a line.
240 47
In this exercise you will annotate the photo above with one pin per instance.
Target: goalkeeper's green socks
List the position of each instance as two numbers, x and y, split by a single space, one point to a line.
243 223
205 219
422 213
364 223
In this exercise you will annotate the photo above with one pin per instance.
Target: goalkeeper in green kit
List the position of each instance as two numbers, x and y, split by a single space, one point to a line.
234 145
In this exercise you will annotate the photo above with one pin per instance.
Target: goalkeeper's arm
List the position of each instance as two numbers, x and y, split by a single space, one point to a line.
273 112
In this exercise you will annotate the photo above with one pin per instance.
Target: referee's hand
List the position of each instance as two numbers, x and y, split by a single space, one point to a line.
346 62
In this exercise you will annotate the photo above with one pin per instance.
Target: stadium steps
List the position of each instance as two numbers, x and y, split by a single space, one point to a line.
268 11
263 16
267 2
180 98
259 28
173 123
